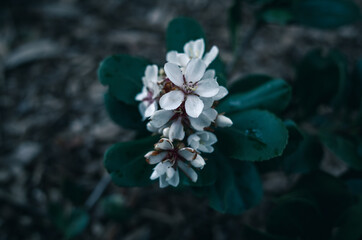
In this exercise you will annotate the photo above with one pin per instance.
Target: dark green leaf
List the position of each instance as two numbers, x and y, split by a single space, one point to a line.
238 186
74 191
249 83
256 135
345 149
277 15
297 215
127 116
321 77
273 96
350 225
326 14
234 21
114 207
126 163
182 30
355 185
123 74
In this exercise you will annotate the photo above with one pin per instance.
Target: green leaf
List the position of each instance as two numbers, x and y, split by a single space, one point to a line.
273 96
350 224
127 116
126 163
326 14
355 185
123 74
238 187
234 21
345 149
248 83
182 30
70 223
114 207
277 15
297 215
256 135
321 77
330 193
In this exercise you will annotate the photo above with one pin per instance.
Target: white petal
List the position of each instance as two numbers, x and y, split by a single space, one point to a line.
210 113
154 175
162 167
142 95
151 73
142 109
187 153
221 94
151 128
207 88
210 139
199 48
210 56
175 180
183 59
174 73
189 49
160 118
177 130
195 69
150 110
172 100
189 172
194 141
209 74
172 57
199 162
208 102
193 106
156 158
200 123
163 182
164 144
165 132
206 148
222 121
170 172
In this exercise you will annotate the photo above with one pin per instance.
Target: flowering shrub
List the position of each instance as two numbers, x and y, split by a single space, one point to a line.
203 138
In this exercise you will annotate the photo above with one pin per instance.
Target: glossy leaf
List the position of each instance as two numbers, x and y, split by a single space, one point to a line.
180 31
273 96
256 135
126 163
345 149
249 83
127 116
123 74
326 14
114 207
238 187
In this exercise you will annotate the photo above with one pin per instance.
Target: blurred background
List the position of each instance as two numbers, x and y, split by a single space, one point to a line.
54 127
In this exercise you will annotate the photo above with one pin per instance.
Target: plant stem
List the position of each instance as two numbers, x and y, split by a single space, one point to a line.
98 191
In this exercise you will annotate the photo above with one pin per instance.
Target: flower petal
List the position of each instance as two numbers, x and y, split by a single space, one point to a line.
222 121
207 88
160 118
195 69
163 182
187 153
208 102
189 172
151 74
156 158
221 94
171 57
193 106
174 73
199 48
200 123
142 95
210 56
198 162
175 180
142 109
194 141
177 130
209 74
210 113
164 144
151 109
183 59
172 100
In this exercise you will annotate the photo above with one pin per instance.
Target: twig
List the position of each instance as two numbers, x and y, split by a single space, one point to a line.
98 191
240 49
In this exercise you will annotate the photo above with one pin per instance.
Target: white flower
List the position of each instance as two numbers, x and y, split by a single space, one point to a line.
192 85
202 141
150 92
222 121
169 159
193 49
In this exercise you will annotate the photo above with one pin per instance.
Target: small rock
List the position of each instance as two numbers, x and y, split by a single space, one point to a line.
26 152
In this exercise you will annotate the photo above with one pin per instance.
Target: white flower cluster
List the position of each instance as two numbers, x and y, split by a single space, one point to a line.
180 101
